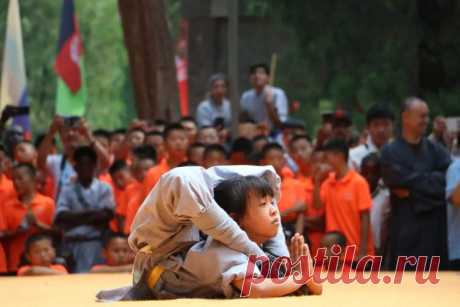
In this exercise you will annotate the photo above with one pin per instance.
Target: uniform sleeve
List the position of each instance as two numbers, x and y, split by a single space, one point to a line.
237 271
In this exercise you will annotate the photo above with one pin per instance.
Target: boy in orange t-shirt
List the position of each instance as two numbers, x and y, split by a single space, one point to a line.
143 161
26 213
292 201
121 180
40 256
301 151
176 144
347 200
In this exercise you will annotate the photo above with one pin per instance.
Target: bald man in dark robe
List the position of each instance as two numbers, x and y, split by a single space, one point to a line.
414 170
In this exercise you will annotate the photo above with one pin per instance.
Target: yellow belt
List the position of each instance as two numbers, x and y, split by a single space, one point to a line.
155 273
154 276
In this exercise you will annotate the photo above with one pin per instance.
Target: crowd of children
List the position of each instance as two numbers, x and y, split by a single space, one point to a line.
84 200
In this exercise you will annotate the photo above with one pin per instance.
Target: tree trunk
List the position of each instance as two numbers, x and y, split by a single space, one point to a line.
151 58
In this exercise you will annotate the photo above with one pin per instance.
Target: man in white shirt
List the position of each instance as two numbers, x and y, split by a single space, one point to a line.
264 104
379 121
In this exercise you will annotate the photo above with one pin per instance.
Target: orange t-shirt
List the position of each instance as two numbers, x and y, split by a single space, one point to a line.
344 200
6 191
154 174
105 177
56 267
15 212
121 197
314 236
292 193
50 188
134 197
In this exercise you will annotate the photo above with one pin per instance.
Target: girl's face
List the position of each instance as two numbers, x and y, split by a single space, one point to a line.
261 219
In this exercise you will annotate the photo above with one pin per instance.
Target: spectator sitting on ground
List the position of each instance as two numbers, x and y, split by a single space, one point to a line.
117 255
39 257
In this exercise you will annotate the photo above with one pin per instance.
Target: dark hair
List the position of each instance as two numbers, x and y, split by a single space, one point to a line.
187 119
232 194
35 238
102 133
297 137
187 163
117 166
172 127
39 140
271 146
373 157
339 236
159 122
338 146
193 146
242 145
85 151
379 111
154 133
119 131
110 236
29 167
217 77
253 68
145 152
2 148
260 137
215 148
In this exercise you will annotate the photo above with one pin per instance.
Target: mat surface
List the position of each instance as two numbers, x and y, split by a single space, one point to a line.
80 290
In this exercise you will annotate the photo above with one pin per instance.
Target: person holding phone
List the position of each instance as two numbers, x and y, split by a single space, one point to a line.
73 132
